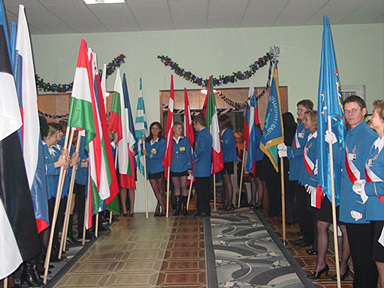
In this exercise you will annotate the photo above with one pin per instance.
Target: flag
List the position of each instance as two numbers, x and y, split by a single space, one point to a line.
111 202
15 196
131 138
104 85
188 127
141 128
83 115
30 131
251 120
213 126
329 104
119 124
3 23
169 131
273 133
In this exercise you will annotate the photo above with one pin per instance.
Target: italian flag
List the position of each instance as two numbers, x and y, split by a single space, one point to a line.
213 127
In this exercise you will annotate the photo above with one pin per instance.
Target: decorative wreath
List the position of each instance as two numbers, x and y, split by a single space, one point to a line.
61 88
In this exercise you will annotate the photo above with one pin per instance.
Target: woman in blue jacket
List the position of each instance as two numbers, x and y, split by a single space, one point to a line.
228 145
372 189
181 167
154 151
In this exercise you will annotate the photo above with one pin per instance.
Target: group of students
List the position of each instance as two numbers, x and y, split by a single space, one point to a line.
360 214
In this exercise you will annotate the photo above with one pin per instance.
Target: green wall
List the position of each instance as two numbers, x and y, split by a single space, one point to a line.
359 53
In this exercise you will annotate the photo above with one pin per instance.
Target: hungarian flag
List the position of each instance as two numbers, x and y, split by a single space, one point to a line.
131 138
251 120
273 133
329 104
213 126
112 202
18 232
141 128
83 114
118 122
169 131
30 131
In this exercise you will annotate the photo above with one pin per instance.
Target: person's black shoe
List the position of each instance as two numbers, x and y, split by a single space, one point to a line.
311 252
317 275
30 275
202 215
72 241
88 235
195 213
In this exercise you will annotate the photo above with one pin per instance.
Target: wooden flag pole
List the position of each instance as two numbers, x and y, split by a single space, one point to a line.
97 225
242 176
56 210
189 192
168 188
110 212
64 233
86 204
334 207
145 179
214 193
5 282
283 201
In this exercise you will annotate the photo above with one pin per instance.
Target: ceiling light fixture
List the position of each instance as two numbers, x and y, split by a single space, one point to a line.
90 2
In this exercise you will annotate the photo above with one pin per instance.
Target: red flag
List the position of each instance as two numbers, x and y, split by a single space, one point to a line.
169 131
188 127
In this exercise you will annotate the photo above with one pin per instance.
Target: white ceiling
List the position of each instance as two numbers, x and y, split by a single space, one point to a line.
74 16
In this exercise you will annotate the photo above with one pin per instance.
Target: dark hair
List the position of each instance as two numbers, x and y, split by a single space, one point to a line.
306 103
52 128
355 98
43 127
57 126
63 123
226 121
200 119
150 137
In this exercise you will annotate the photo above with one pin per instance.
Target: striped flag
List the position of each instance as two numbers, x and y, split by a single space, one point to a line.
141 127
169 131
131 138
273 133
18 232
213 127
30 131
83 115
251 120
112 202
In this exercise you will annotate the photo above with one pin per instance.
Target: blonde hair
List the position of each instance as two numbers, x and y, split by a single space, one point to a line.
378 105
313 115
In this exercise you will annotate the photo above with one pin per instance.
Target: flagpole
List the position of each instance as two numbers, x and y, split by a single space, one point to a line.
64 233
145 179
334 207
97 225
283 201
189 193
86 204
214 192
56 210
5 282
168 186
110 212
242 176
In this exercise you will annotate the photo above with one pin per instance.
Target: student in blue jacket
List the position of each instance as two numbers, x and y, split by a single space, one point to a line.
228 145
202 166
371 189
154 152
181 167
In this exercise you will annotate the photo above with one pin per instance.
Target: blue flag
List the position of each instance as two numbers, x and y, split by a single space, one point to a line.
329 104
273 133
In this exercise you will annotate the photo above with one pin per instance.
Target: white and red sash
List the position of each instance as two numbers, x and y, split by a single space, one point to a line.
317 198
309 165
369 174
296 143
352 171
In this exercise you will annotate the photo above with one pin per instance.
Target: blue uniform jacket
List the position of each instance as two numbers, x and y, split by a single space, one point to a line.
82 173
181 155
68 172
51 173
309 174
374 186
295 153
202 154
358 142
228 144
155 154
